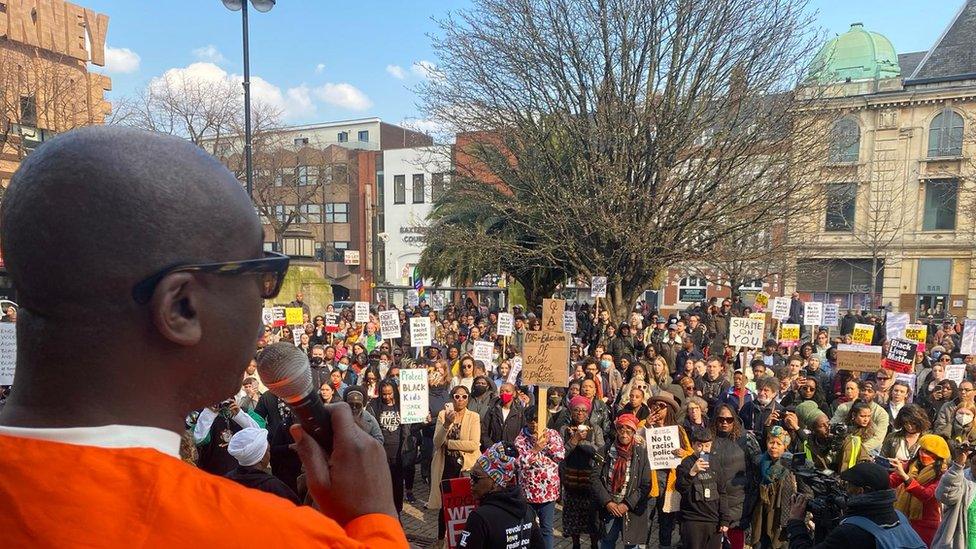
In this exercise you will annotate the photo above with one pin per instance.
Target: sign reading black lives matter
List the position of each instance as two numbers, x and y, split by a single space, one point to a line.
901 355
546 359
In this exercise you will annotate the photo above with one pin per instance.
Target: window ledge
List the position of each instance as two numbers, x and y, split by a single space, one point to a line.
851 164
944 158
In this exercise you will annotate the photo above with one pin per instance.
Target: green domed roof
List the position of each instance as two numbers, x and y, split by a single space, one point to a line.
855 55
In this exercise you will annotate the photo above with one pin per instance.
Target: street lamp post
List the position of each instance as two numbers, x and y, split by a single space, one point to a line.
262 6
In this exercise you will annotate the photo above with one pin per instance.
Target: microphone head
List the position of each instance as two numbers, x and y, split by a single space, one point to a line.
284 370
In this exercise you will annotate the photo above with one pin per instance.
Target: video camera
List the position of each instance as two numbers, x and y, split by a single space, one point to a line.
829 502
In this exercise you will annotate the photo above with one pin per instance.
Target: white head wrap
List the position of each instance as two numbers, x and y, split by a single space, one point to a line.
248 445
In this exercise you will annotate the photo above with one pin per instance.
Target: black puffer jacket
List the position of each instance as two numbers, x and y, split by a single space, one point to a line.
496 428
502 519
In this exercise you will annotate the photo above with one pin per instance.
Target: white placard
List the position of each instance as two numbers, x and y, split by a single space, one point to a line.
420 331
8 352
895 324
505 324
390 324
968 346
483 350
746 332
781 308
515 370
831 314
598 286
813 313
362 311
955 372
413 298
296 334
414 406
661 443
569 322
910 380
267 316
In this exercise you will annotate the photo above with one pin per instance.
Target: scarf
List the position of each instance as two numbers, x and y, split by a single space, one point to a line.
907 503
771 471
621 466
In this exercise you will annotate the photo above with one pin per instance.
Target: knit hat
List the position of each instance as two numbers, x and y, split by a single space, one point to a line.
867 474
808 412
626 420
780 433
580 400
935 445
248 446
499 464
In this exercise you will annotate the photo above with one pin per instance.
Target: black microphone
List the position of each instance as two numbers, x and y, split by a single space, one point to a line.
285 371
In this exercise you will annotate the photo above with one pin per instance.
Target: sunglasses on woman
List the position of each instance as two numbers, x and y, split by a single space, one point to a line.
460 397
271 268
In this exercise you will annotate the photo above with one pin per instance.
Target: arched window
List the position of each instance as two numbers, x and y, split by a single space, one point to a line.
845 141
945 134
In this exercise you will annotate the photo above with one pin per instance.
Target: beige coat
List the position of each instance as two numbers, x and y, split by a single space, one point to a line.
469 445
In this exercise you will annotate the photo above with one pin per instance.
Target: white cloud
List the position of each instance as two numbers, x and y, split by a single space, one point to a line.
396 71
121 60
424 69
210 54
343 95
300 100
319 68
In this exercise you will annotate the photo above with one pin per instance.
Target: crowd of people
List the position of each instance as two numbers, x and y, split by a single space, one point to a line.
743 416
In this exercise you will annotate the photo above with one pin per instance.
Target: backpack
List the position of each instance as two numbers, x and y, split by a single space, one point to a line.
902 536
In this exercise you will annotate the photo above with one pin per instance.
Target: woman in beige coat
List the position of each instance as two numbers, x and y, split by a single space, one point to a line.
457 437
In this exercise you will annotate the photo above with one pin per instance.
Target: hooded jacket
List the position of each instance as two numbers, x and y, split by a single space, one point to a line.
496 428
502 519
878 506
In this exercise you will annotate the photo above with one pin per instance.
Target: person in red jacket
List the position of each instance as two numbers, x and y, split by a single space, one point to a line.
915 482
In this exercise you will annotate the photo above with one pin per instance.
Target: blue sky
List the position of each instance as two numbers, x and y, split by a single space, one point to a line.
328 60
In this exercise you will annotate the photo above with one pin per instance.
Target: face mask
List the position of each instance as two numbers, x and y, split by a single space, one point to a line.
478 390
384 364
964 419
506 398
554 400
343 367
926 459
604 364
316 360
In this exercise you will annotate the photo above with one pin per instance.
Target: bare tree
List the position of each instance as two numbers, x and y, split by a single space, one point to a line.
626 133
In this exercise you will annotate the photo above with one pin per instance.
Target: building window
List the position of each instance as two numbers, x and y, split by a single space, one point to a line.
343 137
337 212
940 205
271 246
945 134
418 188
399 189
436 186
279 178
845 141
312 213
841 202
692 289
752 285
280 213
28 110
301 141
301 175
363 136
337 251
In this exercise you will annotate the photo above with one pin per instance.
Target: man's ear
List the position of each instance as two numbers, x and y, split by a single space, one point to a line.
175 305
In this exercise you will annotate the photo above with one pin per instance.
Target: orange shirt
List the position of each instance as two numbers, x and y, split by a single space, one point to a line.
64 495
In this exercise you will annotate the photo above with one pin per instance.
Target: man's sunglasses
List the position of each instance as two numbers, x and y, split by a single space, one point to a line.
272 268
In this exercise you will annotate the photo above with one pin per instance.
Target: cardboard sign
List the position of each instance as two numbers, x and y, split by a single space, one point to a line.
968 346
598 286
506 324
267 316
280 317
390 324
781 308
293 316
483 351
362 311
414 392
863 334
789 333
296 334
552 315
895 324
758 316
901 356
762 301
831 314
661 442
917 333
746 332
8 352
813 313
331 322
420 333
457 504
859 358
569 322
955 372
545 359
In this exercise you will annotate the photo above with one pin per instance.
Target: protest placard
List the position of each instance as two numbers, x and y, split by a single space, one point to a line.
293 316
457 502
917 333
781 308
661 443
505 323
859 358
968 346
390 324
955 372
831 314
8 352
598 286
762 301
331 322
483 351
413 395
789 333
545 359
863 334
758 316
413 298
901 355
296 334
895 324
515 370
362 311
552 314
813 313
420 333
267 316
910 380
569 322
280 317
746 332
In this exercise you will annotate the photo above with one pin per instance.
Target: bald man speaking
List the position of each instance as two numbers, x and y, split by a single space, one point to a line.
139 264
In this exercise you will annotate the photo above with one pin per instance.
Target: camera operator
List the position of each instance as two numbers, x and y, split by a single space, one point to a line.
870 521
819 441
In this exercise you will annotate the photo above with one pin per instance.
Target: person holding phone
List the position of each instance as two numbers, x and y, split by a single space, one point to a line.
705 514
457 436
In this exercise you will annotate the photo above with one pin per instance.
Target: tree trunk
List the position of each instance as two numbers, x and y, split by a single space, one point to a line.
874 279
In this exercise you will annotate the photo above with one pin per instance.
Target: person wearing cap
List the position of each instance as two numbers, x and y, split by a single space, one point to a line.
870 520
705 514
915 483
538 470
776 485
250 448
621 486
502 518
664 411
582 442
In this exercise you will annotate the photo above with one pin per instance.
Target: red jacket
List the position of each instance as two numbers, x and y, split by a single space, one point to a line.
928 523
